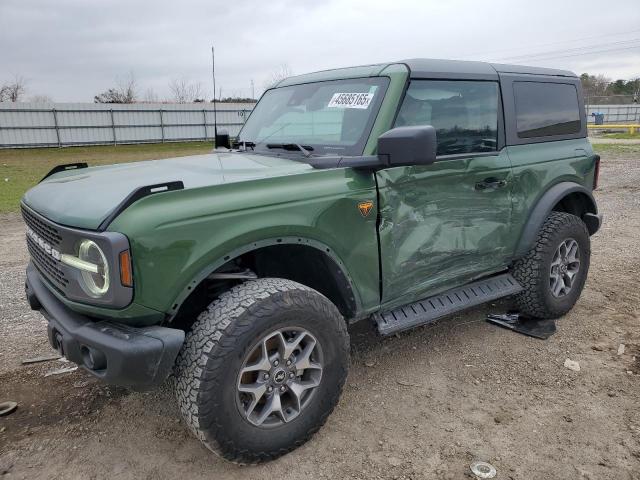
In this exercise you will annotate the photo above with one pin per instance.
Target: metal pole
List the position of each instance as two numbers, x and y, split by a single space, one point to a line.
113 127
215 113
162 125
204 124
55 122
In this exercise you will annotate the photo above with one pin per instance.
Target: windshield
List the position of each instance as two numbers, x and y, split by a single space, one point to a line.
333 117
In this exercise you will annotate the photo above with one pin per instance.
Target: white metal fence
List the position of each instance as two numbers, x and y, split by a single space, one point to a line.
66 124
615 113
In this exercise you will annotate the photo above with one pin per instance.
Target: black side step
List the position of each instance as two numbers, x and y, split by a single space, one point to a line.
431 309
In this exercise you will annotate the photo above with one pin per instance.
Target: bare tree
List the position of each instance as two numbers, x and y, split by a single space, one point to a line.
279 74
124 92
184 91
600 84
14 90
595 85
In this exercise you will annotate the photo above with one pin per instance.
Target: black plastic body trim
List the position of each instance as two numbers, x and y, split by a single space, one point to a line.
544 207
64 168
455 300
406 146
135 357
593 221
137 195
376 162
365 162
454 156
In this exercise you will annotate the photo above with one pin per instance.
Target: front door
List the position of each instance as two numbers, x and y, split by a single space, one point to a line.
446 223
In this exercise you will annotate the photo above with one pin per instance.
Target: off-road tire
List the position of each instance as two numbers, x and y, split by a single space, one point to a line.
533 270
208 364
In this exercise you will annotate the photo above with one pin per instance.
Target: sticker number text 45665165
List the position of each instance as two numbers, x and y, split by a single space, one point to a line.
350 100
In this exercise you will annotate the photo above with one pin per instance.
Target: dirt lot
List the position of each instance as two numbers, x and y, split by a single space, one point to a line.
420 405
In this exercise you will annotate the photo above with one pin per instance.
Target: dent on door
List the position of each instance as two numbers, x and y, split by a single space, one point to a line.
438 228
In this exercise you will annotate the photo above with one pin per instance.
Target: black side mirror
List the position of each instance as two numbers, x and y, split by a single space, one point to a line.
222 139
408 146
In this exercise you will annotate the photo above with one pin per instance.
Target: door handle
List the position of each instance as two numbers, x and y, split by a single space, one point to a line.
490 183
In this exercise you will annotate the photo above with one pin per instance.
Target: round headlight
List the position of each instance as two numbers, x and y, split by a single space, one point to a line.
95 284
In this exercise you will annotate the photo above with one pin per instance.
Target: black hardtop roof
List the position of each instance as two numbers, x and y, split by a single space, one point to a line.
428 68
435 68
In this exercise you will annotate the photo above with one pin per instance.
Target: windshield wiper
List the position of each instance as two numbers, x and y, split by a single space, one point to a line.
306 149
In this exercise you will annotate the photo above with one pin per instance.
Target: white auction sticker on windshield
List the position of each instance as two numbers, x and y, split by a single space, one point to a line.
350 100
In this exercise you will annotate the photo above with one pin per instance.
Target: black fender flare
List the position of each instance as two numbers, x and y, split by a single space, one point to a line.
545 205
335 264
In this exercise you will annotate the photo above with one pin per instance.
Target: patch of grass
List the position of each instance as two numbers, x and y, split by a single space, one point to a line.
20 169
603 148
623 136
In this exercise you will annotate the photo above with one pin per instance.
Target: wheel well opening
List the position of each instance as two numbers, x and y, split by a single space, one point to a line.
301 263
575 203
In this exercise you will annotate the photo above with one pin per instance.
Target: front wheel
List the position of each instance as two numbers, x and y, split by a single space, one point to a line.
554 271
261 369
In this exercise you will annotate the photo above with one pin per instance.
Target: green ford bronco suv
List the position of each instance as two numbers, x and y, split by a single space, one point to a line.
399 192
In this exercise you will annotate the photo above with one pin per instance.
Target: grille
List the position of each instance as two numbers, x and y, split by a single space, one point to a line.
44 262
44 230
47 265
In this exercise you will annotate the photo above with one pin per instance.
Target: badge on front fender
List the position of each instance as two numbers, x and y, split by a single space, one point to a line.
365 207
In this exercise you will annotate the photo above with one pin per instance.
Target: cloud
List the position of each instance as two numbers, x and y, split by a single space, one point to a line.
73 49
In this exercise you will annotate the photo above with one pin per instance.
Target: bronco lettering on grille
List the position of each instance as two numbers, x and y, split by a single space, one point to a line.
43 244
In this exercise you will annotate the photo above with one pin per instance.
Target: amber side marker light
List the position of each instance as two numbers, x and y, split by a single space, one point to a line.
126 275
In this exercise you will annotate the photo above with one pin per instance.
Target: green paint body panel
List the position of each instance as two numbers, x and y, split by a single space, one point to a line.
537 167
179 237
83 198
436 229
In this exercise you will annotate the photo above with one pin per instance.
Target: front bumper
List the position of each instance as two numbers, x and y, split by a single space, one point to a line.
113 352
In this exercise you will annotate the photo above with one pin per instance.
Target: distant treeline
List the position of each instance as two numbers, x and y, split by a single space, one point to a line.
229 100
603 90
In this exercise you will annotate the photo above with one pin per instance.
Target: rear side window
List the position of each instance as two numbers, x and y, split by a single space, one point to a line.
464 113
546 109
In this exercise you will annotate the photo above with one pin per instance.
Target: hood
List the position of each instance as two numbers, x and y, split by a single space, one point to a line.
83 198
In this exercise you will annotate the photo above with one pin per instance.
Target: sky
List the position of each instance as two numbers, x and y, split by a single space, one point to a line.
71 50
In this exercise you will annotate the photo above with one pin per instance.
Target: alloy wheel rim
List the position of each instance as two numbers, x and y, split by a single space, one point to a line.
564 268
279 377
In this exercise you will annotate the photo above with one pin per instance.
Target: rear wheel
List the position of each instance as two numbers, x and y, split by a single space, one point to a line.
554 271
261 369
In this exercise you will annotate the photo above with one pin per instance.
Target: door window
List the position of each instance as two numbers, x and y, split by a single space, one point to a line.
464 113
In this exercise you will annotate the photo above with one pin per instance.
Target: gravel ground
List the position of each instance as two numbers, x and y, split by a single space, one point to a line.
420 405
618 141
